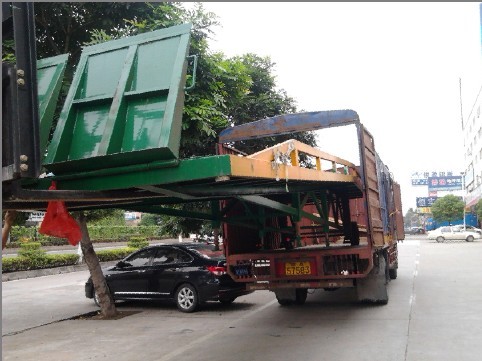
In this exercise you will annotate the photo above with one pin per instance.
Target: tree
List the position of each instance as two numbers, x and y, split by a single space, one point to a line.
64 27
149 219
262 100
478 210
106 217
448 209
410 218
107 306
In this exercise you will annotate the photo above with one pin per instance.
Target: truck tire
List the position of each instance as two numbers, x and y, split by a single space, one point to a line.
393 273
355 235
301 294
284 301
373 288
290 296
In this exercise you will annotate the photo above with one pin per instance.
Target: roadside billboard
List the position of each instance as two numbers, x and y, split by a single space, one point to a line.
447 183
420 178
426 201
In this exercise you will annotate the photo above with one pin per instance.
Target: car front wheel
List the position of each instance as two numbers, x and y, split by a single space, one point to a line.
470 239
186 298
440 239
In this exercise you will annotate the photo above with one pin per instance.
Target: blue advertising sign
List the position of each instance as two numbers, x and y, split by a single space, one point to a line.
448 183
420 178
426 201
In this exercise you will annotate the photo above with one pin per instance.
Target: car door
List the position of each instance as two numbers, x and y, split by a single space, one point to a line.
446 232
130 277
453 233
169 268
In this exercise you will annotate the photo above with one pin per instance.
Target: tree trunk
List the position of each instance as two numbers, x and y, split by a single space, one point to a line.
106 301
9 218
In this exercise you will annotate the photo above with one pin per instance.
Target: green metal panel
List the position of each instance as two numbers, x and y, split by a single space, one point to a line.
125 104
50 72
187 170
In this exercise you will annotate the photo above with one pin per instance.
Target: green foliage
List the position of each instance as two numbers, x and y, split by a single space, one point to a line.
105 217
137 242
20 218
31 250
478 209
122 232
64 27
114 254
20 263
20 234
448 209
98 36
8 51
149 219
13 264
175 225
411 218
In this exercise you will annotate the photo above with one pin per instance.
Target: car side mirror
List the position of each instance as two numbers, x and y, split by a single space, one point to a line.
122 264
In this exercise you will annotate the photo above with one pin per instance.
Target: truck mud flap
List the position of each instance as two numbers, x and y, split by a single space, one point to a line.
373 288
289 296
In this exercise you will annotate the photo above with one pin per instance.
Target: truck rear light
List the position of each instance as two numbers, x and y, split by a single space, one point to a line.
217 270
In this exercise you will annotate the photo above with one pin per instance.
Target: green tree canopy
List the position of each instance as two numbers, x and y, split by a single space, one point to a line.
448 209
478 209
149 219
411 217
64 27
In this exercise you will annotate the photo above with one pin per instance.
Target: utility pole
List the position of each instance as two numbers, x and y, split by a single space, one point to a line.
463 190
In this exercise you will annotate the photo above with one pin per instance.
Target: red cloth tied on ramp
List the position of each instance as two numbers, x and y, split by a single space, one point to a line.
59 223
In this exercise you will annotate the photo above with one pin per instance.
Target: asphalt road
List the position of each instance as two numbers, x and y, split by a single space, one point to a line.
434 313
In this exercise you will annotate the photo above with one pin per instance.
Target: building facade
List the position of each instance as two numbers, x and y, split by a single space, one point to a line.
472 128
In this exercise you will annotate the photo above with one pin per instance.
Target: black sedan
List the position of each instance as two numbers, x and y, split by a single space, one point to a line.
189 274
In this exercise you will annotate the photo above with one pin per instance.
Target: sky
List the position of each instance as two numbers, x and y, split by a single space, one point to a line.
398 65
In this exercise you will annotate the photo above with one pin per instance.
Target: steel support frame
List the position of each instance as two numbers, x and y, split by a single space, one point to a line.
20 138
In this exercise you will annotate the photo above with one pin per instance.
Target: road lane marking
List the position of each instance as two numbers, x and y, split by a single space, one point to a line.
412 299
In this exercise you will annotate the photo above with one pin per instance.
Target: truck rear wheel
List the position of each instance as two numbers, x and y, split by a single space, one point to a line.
301 294
284 301
287 297
355 235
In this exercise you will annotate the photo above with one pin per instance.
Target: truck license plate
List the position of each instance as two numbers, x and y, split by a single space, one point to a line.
297 268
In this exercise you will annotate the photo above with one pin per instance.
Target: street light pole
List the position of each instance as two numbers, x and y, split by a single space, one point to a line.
463 190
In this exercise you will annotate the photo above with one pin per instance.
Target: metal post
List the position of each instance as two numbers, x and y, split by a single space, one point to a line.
463 196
